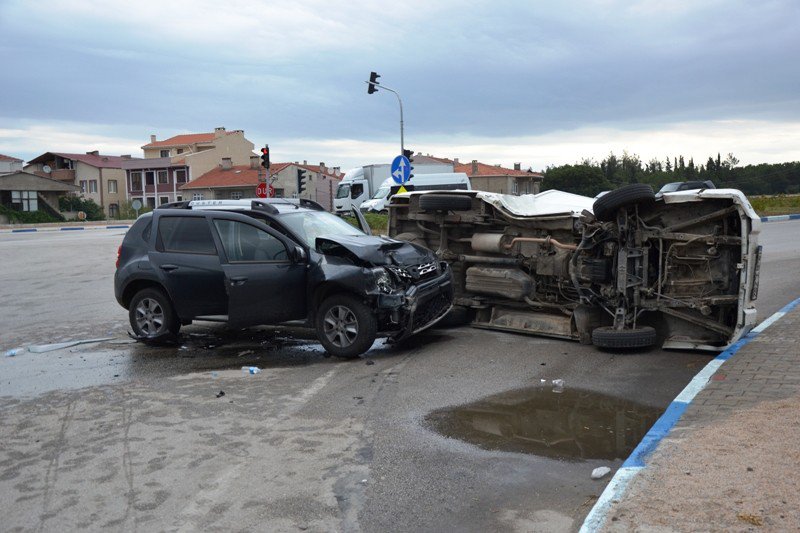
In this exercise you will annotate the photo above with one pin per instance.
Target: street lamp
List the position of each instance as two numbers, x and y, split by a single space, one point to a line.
373 86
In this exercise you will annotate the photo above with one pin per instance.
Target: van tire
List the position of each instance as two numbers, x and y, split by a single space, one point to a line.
605 208
608 337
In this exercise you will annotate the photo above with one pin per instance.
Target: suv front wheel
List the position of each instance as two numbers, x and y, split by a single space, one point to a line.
345 326
151 314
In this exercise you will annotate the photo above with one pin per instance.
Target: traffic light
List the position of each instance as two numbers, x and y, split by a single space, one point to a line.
373 83
302 178
410 156
265 156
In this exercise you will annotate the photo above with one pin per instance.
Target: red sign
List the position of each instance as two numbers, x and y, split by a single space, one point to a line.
265 191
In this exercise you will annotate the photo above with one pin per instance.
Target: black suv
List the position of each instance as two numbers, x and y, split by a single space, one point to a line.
253 262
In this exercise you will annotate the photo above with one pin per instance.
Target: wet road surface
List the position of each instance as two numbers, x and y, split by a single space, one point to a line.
127 436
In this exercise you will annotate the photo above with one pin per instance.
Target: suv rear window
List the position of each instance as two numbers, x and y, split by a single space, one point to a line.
185 234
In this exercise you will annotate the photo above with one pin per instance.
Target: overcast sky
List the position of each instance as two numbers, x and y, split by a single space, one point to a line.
535 82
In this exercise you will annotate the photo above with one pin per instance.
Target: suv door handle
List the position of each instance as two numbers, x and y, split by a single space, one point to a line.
238 280
169 268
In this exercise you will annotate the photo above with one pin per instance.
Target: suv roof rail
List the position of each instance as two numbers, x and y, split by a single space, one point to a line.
260 205
311 204
175 205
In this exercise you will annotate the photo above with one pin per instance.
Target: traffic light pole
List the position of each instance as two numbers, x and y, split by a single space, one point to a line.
399 101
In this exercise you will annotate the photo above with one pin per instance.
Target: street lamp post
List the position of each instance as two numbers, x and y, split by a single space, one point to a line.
373 87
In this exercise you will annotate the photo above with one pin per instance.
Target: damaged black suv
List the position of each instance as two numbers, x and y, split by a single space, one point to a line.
258 262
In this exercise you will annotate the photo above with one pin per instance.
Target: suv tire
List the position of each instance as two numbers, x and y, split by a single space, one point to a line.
151 314
608 337
605 207
445 202
345 326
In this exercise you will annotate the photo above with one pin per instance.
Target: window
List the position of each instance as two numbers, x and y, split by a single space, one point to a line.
180 150
162 176
236 195
149 177
92 186
180 175
356 190
24 200
514 187
185 234
151 202
113 210
278 193
112 186
83 186
197 196
136 181
163 200
179 198
243 242
164 153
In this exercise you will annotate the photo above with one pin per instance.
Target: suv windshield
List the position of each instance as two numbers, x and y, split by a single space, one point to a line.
343 191
309 225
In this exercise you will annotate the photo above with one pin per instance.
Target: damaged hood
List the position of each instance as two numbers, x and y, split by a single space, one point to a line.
374 250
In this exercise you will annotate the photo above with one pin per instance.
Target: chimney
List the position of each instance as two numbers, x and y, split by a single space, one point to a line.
219 132
227 164
322 167
95 152
305 161
152 138
474 167
126 156
517 166
254 162
455 161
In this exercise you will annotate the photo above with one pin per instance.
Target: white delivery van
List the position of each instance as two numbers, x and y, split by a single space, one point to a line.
449 181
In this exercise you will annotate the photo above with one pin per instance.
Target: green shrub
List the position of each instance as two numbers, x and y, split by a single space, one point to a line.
27 217
87 205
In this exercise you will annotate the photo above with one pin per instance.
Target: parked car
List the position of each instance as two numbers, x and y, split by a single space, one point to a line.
251 262
621 271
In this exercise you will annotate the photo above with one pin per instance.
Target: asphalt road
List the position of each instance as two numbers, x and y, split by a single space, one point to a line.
129 437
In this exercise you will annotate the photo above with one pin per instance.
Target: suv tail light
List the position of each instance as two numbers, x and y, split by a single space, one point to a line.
119 251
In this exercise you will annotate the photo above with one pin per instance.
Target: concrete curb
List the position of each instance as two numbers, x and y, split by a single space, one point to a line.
780 218
65 228
616 488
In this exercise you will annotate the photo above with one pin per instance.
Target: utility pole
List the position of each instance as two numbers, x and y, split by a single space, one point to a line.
373 87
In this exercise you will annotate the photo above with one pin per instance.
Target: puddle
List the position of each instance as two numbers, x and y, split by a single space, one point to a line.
573 424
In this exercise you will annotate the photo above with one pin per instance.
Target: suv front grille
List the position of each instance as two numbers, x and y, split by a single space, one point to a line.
430 310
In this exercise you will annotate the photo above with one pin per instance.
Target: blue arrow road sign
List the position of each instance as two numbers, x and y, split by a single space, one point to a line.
401 168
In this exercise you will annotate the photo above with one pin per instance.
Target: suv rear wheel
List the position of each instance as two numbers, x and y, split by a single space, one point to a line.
345 326
151 314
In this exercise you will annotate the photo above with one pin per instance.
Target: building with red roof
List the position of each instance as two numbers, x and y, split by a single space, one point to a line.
171 163
229 181
100 177
495 178
9 164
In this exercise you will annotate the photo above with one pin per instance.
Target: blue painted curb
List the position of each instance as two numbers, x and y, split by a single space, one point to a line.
65 228
24 230
780 218
71 228
616 488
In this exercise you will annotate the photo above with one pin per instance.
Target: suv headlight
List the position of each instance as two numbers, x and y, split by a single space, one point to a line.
382 279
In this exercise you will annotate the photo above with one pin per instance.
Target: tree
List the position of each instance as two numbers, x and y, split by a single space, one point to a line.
587 180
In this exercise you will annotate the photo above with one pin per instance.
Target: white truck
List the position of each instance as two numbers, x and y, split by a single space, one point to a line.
450 181
360 184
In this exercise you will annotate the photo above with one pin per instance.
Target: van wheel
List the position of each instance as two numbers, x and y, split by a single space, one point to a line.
605 208
151 314
345 326
608 337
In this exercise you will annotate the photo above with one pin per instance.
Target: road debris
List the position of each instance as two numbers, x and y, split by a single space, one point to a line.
250 370
600 472
220 394
245 352
42 348
14 351
558 386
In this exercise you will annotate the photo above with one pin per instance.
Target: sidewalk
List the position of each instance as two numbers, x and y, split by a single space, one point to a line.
731 463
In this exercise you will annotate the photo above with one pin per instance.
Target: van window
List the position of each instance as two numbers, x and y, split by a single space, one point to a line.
343 191
356 190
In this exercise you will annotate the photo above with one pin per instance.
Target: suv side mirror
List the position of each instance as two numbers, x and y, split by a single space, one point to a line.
298 254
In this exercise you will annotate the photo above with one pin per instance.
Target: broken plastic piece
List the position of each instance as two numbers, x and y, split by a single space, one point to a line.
14 351
41 348
250 370
600 472
558 385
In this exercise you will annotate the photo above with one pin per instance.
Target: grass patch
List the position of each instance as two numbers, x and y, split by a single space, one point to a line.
378 223
781 204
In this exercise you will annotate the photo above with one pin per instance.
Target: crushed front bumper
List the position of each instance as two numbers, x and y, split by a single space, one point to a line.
422 305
